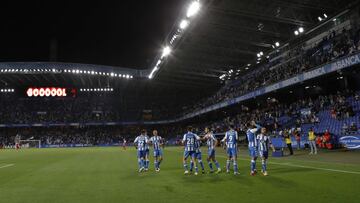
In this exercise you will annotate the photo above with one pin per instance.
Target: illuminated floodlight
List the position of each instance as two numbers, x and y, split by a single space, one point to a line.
92 72
277 44
325 15
258 55
193 9
166 51
112 74
320 19
111 89
261 53
127 76
131 76
296 32
124 76
77 71
301 29
184 24
101 89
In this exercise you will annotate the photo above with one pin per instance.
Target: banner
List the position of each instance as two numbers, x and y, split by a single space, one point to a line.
350 142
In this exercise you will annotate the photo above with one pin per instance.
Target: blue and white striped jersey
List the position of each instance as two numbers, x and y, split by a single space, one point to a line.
197 146
189 141
210 140
147 147
156 141
251 136
141 142
264 142
230 139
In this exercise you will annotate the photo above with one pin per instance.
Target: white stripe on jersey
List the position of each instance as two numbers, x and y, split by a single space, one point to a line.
210 140
230 139
141 142
156 141
264 141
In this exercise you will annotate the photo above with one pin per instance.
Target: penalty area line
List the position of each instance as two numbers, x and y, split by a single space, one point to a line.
6 166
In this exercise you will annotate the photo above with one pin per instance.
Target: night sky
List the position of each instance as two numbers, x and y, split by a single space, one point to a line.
127 33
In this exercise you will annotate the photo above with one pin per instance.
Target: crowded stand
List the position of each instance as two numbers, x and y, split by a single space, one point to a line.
297 117
297 60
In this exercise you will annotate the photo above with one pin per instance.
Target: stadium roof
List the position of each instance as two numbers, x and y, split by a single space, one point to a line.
228 34
223 35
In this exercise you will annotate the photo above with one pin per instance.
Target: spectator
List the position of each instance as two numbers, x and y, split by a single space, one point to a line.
287 138
298 138
312 143
353 127
345 128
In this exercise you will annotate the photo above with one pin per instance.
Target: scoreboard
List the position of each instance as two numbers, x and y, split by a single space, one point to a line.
50 92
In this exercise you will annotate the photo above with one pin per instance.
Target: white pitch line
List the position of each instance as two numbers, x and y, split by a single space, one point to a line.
317 168
302 166
7 165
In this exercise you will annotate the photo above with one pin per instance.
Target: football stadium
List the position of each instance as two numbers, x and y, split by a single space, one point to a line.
180 101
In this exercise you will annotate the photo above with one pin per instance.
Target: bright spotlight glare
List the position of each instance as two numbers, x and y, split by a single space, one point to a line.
301 29
183 24
277 44
296 32
166 51
193 9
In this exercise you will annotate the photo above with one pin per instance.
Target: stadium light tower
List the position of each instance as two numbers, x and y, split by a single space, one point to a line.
193 9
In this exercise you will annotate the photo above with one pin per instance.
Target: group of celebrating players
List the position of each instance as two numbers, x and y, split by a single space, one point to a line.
258 143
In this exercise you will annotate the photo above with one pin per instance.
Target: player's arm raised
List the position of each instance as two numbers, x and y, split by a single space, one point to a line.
183 140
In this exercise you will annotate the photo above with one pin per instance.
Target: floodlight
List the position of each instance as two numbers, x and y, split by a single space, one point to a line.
193 9
183 24
166 51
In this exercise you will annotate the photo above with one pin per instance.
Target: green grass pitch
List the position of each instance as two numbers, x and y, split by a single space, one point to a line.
110 175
